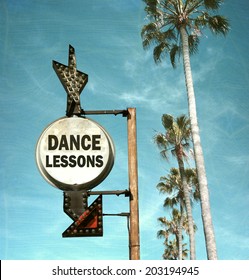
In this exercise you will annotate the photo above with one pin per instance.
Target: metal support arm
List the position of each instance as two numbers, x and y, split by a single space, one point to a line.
118 192
105 112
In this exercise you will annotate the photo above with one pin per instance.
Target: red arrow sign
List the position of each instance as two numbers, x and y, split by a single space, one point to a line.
89 223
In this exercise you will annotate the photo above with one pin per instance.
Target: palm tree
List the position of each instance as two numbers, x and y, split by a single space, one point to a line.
172 186
175 28
172 228
177 139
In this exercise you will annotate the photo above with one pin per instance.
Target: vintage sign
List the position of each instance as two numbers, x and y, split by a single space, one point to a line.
89 223
75 154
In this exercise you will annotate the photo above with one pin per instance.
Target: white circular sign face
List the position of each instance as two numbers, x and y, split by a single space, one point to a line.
74 154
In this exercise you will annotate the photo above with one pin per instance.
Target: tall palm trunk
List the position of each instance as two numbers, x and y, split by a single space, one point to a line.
180 233
199 159
188 208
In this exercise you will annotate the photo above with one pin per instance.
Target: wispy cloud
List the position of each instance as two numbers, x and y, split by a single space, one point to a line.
233 241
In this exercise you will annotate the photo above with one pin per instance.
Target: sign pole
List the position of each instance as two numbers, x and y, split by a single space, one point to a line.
134 241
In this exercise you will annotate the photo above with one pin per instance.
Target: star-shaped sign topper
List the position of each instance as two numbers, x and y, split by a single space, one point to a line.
73 82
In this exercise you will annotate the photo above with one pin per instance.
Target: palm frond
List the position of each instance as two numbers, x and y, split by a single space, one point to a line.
193 42
149 35
201 20
164 188
161 234
169 35
167 121
183 122
160 52
164 154
160 140
212 4
174 172
151 7
175 50
218 24
172 5
170 202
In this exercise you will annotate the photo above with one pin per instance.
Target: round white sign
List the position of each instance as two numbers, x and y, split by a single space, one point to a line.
74 154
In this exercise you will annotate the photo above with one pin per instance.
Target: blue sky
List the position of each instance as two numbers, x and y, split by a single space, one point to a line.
106 38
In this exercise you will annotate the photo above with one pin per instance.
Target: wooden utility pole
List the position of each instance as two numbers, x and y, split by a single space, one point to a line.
134 240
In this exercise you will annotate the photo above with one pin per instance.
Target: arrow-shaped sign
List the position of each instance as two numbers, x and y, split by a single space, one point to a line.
73 82
89 223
